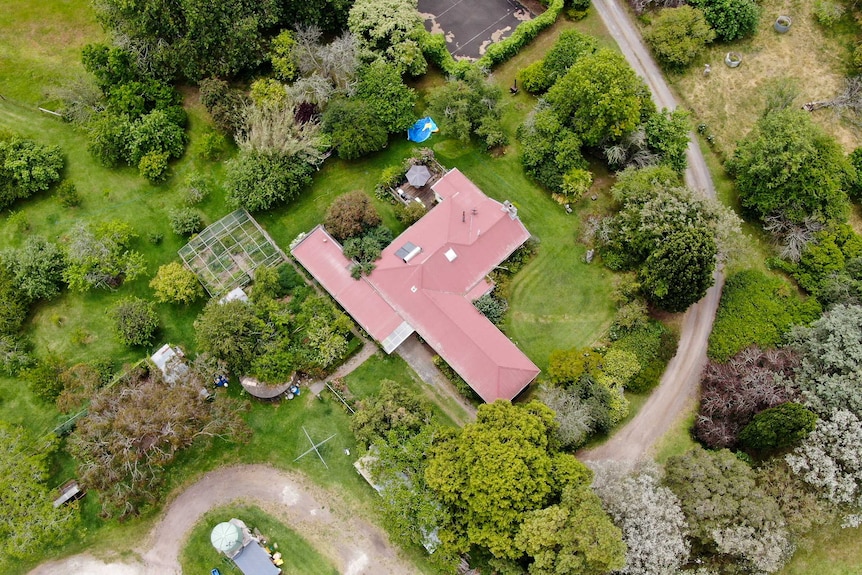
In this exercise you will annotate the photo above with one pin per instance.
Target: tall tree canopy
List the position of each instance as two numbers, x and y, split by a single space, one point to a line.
790 167
503 470
388 28
672 236
600 98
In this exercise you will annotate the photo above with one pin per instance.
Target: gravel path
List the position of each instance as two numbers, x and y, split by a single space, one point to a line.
679 383
331 524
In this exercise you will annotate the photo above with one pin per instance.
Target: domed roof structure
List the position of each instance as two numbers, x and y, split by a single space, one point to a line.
226 538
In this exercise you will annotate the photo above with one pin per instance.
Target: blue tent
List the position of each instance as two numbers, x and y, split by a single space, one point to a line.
421 130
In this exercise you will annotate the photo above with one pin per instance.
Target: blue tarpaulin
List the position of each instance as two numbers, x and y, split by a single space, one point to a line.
421 130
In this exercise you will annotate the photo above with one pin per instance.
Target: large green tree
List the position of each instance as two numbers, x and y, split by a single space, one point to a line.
258 180
230 331
30 522
790 167
380 86
496 470
467 107
679 270
193 38
388 28
601 98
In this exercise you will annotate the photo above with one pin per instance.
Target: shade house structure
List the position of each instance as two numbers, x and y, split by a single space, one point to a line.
418 176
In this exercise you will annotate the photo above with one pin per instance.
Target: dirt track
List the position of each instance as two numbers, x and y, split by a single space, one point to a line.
329 523
679 383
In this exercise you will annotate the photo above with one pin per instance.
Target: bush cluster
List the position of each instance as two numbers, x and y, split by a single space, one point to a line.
143 121
756 309
26 168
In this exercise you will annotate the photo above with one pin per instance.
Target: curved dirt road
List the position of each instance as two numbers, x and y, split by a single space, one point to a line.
332 525
679 382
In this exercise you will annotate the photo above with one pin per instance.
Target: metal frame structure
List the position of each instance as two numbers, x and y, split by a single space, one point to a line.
225 254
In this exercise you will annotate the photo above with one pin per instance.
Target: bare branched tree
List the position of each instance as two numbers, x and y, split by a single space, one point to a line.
792 238
849 100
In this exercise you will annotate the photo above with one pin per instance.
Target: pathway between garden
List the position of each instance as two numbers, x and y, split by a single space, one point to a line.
328 522
680 381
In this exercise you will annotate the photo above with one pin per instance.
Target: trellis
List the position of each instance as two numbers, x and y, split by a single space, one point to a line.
225 255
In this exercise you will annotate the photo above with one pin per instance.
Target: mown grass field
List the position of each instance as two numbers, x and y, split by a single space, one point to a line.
300 558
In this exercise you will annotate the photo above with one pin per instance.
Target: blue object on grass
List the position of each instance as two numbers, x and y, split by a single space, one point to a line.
215 572
421 130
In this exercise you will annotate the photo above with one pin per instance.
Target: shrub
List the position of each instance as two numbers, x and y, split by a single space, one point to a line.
288 279
409 214
67 195
855 158
828 12
224 104
492 307
198 189
779 427
185 221
354 128
26 168
45 378
457 381
175 283
36 268
678 35
756 309
653 345
154 166
135 321
212 146
350 215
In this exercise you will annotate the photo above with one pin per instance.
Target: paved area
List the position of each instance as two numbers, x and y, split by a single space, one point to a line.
332 525
680 381
471 25
419 357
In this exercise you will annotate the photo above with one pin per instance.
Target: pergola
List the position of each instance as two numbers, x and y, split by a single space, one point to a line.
225 254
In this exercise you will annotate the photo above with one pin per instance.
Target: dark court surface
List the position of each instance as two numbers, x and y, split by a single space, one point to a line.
471 25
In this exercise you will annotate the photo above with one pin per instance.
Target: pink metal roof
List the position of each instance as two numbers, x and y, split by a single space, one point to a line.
321 255
461 239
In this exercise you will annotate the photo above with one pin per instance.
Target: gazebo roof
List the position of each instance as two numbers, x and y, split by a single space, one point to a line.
226 538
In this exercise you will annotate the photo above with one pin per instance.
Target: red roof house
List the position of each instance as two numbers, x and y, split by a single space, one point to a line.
426 281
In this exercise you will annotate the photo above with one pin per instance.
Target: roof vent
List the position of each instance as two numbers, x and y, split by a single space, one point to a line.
511 209
451 255
408 251
413 289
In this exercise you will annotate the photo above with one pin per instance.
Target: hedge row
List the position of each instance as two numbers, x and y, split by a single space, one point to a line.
434 45
756 309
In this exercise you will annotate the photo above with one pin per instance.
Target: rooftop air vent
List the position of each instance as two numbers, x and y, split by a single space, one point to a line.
408 251
451 255
511 209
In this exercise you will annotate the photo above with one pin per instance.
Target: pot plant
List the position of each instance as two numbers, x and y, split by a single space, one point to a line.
782 24
733 59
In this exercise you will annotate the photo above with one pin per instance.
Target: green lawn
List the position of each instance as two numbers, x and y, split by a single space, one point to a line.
828 550
300 558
